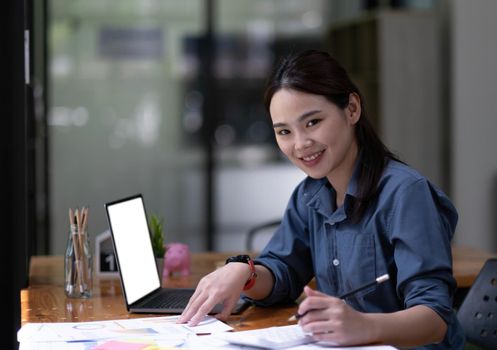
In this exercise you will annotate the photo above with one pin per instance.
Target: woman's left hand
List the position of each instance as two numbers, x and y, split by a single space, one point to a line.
331 320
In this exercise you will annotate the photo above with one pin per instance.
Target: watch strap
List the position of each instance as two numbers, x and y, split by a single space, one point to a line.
247 260
253 275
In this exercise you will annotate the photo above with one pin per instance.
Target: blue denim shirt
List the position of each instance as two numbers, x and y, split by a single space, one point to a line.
406 233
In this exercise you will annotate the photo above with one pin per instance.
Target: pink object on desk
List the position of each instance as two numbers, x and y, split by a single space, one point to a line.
177 259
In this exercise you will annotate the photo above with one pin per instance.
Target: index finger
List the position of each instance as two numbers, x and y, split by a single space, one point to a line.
191 307
203 310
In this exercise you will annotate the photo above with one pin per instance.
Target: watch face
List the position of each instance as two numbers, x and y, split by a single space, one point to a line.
238 258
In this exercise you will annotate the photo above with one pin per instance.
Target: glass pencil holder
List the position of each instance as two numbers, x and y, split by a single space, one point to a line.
78 265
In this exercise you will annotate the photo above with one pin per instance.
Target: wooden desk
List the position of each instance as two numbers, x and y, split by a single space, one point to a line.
467 263
44 300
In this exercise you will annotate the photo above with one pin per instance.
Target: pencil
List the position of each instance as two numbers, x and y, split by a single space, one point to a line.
378 280
77 261
82 242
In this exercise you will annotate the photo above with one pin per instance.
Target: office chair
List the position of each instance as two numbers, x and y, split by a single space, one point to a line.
478 311
258 231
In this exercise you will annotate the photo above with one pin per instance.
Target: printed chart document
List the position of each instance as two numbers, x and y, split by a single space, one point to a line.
156 331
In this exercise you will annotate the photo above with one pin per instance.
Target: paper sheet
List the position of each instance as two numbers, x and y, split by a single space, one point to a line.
150 327
151 333
213 342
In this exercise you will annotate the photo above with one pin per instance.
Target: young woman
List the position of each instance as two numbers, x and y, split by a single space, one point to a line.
359 214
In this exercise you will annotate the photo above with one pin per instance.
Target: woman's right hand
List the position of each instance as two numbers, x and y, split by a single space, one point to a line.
222 286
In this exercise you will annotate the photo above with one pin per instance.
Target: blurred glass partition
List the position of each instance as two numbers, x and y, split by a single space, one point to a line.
118 79
127 111
253 181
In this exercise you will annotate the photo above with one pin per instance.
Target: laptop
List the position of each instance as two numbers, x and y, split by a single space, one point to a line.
140 280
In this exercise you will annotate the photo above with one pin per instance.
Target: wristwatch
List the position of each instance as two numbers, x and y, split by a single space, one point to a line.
247 260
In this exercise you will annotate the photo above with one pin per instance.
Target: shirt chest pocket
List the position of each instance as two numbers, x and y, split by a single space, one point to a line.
356 255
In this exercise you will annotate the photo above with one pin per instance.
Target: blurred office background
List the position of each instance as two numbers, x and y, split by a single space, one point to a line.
103 99
164 98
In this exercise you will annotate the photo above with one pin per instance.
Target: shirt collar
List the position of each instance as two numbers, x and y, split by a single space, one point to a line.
322 196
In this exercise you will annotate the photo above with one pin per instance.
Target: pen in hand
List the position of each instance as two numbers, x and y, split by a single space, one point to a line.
378 280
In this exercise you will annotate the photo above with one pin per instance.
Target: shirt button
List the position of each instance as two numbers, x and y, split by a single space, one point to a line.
336 262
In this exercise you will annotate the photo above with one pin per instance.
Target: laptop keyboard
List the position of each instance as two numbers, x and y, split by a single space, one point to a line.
168 299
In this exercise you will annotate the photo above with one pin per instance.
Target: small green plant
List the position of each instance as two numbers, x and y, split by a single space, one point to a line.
156 230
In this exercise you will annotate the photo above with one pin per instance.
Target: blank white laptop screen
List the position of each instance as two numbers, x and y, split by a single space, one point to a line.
134 252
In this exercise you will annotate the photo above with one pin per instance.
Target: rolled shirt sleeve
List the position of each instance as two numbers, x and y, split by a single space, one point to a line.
287 255
421 225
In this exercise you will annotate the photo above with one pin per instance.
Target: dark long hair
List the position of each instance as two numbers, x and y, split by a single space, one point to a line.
316 72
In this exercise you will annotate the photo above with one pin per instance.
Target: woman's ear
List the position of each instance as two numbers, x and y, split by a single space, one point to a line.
354 108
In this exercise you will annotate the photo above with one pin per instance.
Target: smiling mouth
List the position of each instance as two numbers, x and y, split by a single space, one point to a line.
312 157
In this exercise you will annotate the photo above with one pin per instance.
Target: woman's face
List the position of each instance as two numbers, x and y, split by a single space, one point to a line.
315 134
